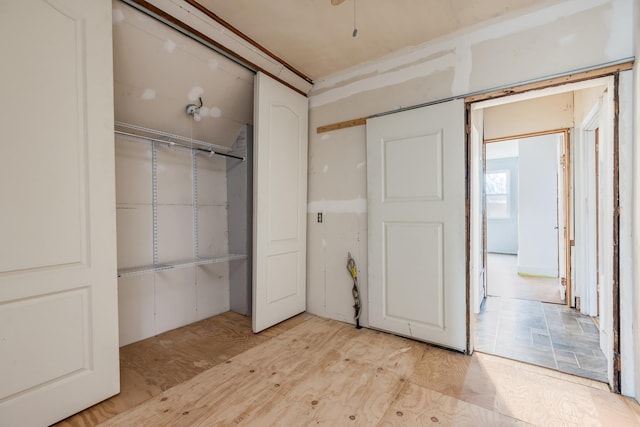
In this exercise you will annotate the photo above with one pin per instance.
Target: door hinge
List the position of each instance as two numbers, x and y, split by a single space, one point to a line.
562 160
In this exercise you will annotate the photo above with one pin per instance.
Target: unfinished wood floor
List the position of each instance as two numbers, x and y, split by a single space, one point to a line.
322 372
151 366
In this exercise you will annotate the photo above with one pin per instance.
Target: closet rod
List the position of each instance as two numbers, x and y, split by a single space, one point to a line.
173 143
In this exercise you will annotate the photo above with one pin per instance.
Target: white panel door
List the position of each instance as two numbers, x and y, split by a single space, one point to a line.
416 203
58 302
280 199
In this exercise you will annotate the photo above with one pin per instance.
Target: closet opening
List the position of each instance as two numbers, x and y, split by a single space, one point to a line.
183 178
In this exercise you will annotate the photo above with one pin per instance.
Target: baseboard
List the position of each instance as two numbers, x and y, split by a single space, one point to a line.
524 270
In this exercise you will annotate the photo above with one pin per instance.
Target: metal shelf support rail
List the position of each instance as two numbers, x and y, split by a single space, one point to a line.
197 260
194 170
154 199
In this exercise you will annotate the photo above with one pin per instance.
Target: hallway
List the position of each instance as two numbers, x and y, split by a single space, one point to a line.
524 319
549 335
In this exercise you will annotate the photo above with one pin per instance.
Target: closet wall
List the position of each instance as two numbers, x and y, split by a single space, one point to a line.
172 204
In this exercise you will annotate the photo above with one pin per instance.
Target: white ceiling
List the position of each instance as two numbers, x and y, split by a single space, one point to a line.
315 37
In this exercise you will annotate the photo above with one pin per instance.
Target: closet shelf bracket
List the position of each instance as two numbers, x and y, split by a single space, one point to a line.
143 269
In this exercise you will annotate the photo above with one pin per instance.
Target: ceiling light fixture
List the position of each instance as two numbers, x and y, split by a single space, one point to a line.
193 110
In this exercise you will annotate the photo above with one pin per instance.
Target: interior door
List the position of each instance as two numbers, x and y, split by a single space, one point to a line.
280 199
58 294
416 208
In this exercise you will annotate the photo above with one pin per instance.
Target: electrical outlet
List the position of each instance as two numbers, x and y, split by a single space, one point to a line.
319 217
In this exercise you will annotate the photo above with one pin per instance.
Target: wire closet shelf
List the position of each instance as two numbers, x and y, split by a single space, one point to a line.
154 137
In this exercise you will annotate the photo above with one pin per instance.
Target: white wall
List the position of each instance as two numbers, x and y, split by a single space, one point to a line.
523 117
537 210
541 42
152 303
500 150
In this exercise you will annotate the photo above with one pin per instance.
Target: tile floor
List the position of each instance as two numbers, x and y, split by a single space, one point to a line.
549 335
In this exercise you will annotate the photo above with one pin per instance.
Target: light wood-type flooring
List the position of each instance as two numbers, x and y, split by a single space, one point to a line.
504 281
315 371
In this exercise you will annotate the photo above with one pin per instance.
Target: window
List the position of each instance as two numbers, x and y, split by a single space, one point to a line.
497 194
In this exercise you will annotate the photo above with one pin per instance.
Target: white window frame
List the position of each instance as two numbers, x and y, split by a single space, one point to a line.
507 194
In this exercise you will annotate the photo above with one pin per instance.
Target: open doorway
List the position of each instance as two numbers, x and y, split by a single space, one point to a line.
534 281
526 315
523 192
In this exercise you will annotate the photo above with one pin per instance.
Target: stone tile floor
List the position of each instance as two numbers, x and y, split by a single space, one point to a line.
543 334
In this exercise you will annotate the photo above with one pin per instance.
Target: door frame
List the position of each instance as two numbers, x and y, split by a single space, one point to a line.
525 91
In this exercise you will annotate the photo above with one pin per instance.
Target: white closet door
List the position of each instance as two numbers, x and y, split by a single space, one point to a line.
416 206
280 198
58 302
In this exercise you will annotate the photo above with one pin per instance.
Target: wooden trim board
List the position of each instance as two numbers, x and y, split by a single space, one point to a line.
248 39
342 125
616 386
552 82
524 135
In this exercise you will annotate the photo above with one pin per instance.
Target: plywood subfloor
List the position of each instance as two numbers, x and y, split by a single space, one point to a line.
151 366
324 372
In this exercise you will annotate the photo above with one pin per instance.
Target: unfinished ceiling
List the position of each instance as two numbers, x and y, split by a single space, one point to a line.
158 71
316 37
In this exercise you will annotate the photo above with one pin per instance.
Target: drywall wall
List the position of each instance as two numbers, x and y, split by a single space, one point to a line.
502 149
502 233
540 42
157 73
537 206
155 302
229 40
341 175
240 217
524 117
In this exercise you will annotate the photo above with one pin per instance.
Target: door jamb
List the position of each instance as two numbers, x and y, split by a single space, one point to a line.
615 386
